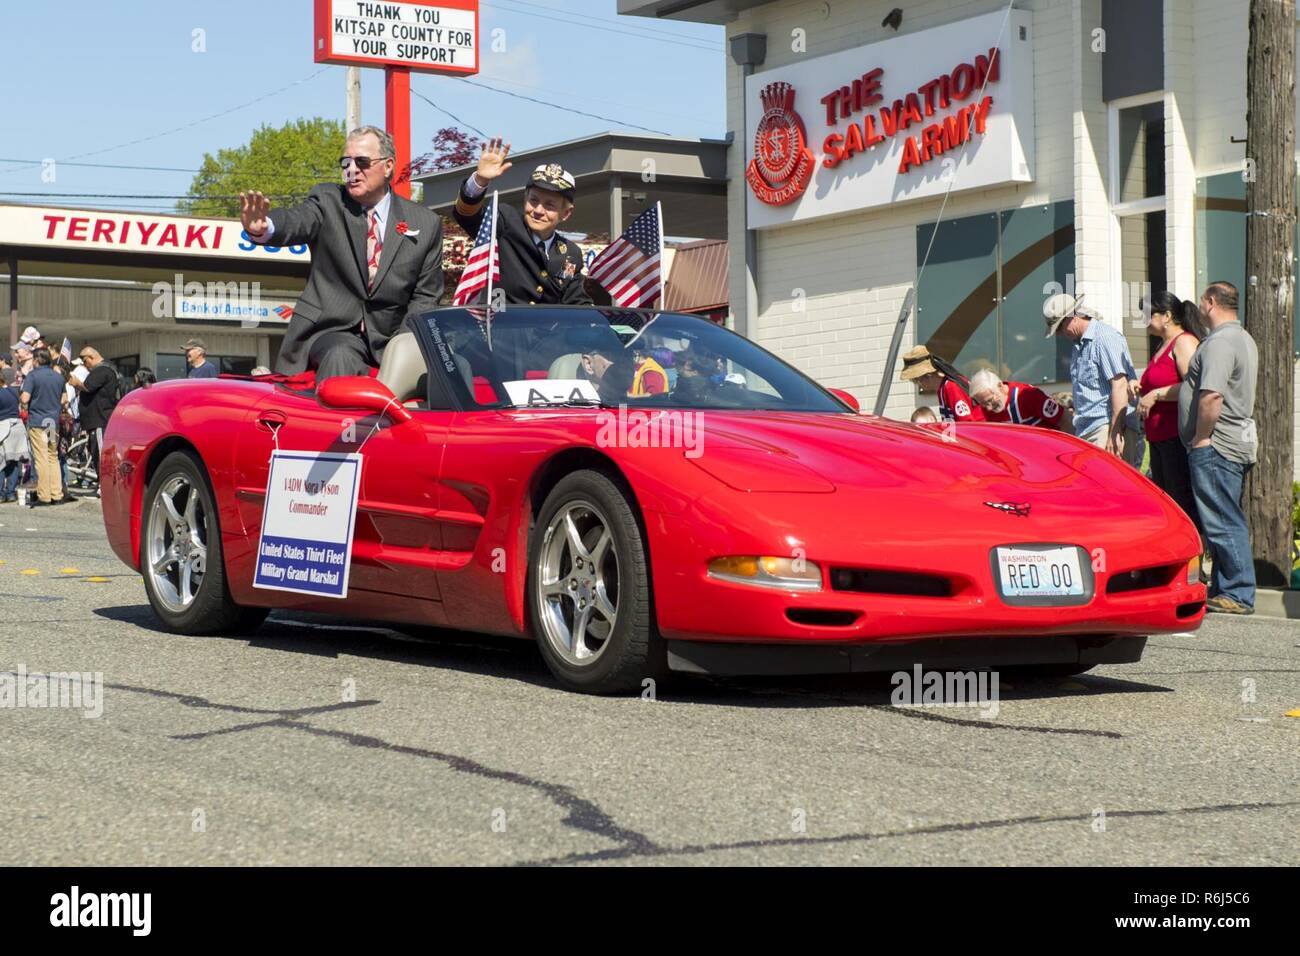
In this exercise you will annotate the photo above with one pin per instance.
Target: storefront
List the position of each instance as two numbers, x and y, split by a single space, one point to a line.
136 286
1093 146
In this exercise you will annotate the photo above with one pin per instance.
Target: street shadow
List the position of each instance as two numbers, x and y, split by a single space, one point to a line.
321 635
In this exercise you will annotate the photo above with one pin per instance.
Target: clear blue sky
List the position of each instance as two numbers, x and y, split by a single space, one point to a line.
83 76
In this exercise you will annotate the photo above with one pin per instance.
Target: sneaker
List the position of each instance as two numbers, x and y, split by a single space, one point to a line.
1223 604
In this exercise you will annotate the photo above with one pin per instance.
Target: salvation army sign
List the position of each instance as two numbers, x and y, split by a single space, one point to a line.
891 121
436 36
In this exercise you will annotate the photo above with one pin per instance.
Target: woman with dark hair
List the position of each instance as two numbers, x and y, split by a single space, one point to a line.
1178 324
143 378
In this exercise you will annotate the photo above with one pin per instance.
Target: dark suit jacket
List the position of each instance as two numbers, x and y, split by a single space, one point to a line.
409 280
526 277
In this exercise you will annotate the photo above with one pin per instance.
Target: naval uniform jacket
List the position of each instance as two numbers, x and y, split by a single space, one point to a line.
527 277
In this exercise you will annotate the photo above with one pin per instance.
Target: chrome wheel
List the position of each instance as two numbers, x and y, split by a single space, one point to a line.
578 583
177 543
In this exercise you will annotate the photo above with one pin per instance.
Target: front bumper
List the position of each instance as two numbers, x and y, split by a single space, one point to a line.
965 653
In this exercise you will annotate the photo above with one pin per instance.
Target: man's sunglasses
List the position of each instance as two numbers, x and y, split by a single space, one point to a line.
363 162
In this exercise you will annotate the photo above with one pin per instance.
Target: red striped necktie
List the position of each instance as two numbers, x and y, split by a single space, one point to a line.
374 246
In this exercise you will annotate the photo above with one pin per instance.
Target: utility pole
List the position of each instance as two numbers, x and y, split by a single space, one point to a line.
354 97
1270 270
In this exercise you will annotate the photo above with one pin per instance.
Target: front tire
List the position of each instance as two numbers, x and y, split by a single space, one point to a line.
180 553
588 590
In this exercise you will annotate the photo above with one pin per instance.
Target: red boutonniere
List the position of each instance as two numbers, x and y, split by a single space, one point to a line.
404 230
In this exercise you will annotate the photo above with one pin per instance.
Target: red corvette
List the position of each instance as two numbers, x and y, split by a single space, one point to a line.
642 492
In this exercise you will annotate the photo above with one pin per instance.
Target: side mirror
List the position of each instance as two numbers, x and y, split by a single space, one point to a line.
846 397
361 391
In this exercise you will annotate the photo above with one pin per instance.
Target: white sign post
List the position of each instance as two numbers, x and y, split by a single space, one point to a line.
308 522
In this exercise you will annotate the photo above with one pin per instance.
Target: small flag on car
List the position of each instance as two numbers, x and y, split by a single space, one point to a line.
631 268
483 266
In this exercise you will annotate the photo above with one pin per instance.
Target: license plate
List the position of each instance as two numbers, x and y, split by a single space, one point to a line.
1027 573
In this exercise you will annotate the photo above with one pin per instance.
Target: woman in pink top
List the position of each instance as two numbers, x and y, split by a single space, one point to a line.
1178 324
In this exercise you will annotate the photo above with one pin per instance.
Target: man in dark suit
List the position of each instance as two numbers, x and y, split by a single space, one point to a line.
537 264
375 259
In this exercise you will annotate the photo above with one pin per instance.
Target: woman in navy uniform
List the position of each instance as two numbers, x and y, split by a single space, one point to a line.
537 264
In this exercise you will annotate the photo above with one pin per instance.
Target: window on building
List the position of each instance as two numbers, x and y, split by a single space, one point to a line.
980 297
1137 203
1221 238
1134 51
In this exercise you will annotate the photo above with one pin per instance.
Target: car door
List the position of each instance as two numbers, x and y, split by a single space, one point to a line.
396 543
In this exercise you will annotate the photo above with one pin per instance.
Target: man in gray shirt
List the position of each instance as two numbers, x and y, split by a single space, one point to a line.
1215 405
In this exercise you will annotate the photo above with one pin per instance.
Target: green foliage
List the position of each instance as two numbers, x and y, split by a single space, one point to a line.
283 163
1295 508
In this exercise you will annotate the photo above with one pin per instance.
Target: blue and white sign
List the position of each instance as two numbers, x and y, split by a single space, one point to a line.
308 522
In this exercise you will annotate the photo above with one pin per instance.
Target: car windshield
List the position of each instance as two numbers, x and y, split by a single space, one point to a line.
607 357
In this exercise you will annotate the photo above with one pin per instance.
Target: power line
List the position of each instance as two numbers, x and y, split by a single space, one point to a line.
592 99
44 195
567 109
259 170
177 129
448 113
60 162
554 16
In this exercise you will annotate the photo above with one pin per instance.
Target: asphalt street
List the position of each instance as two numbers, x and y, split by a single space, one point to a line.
319 742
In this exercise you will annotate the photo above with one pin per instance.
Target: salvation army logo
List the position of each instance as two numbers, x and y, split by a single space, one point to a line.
783 164
1050 408
961 408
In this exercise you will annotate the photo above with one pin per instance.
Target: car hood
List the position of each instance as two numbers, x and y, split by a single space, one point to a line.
848 454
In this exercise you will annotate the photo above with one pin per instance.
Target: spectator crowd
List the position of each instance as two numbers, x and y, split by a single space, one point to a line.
47 400
1188 416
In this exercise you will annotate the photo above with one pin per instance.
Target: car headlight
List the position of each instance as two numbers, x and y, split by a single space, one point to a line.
1194 570
787 574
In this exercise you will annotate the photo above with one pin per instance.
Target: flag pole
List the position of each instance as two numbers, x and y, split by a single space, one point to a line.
492 254
663 279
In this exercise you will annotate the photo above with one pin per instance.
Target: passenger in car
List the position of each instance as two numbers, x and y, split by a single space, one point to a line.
649 377
606 365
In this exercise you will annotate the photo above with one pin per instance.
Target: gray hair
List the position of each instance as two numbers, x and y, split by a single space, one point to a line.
386 148
985 378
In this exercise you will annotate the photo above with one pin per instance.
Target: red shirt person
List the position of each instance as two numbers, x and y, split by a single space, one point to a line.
933 376
1017 402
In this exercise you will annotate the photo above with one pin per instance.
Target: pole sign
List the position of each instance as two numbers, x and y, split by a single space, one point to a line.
432 36
907 118
308 522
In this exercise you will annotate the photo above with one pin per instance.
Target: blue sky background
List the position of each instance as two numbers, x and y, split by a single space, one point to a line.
82 78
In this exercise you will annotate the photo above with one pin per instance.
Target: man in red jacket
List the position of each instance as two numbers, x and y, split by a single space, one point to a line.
1017 402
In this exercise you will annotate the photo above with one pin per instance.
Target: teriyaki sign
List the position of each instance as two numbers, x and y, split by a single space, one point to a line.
892 121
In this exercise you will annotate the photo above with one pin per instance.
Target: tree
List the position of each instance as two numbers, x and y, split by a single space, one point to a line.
452 147
1270 228
284 163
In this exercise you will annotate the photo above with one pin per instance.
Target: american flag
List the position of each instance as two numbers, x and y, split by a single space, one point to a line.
483 267
630 268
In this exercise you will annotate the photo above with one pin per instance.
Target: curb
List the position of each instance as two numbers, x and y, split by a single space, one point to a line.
1274 602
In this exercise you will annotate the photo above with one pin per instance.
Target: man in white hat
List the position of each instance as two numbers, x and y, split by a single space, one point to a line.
538 265
1101 369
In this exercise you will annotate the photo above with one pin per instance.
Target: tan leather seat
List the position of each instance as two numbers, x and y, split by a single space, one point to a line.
566 366
402 367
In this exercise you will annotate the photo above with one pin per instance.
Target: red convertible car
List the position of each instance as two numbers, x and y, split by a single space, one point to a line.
642 492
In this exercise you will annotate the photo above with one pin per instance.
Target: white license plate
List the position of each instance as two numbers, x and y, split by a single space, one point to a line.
1040 572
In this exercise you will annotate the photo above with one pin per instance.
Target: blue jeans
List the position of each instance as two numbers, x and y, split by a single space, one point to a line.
10 473
1217 485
